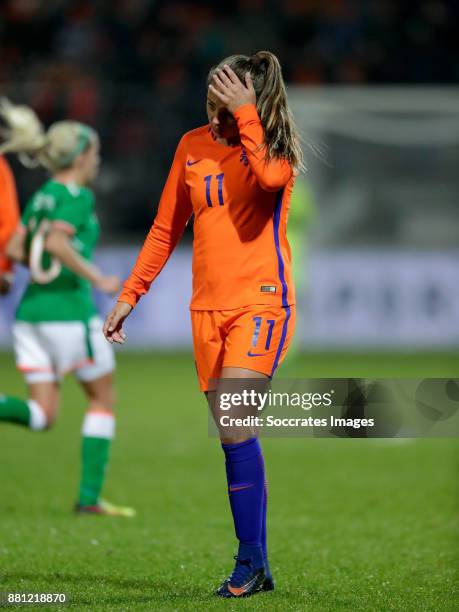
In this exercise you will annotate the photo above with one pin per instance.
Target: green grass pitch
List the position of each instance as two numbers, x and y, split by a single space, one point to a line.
354 525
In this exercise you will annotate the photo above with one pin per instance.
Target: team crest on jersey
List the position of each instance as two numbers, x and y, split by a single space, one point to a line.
268 288
243 158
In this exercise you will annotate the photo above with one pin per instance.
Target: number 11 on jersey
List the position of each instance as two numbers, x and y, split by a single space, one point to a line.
208 181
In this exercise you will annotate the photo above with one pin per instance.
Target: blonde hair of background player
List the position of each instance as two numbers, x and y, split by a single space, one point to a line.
55 149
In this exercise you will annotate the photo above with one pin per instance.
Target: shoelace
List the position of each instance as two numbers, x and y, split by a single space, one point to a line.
241 572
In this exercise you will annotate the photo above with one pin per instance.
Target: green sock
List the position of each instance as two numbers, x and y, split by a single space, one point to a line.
98 431
14 410
94 456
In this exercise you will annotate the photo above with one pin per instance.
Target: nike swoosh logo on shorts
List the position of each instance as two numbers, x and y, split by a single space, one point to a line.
250 354
192 163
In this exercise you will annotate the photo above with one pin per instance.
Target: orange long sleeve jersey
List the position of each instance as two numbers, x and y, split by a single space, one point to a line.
241 255
9 211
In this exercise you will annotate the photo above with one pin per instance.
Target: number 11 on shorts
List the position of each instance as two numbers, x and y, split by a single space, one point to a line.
256 332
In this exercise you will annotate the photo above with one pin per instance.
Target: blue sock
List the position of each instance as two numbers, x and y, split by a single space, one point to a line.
246 479
263 530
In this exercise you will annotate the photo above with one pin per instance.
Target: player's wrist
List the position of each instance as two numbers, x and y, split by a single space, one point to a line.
125 305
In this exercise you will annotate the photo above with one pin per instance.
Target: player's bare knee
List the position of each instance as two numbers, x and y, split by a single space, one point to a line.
43 405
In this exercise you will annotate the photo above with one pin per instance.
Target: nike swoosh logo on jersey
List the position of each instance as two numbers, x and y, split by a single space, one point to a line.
250 354
192 163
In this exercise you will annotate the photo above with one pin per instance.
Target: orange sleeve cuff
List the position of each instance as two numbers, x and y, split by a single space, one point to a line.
246 113
129 297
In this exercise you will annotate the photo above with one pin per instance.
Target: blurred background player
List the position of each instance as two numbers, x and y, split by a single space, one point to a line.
236 175
9 219
57 329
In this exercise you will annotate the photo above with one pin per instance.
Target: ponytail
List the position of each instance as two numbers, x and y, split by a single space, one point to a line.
281 134
22 133
54 150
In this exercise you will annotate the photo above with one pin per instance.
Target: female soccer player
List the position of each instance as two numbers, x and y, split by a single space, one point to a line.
57 329
236 175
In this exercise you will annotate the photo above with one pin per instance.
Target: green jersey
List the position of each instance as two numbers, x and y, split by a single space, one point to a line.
64 296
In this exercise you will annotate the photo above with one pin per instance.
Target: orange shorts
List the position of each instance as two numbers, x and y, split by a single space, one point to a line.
254 337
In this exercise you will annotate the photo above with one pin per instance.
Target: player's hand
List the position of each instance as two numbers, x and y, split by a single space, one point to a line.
227 87
6 280
113 326
108 284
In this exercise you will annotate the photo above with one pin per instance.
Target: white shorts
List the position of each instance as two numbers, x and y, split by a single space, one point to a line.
45 352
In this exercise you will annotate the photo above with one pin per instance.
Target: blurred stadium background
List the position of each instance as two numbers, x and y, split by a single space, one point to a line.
373 85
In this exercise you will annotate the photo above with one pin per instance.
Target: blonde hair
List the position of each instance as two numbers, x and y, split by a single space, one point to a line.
55 149
281 134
